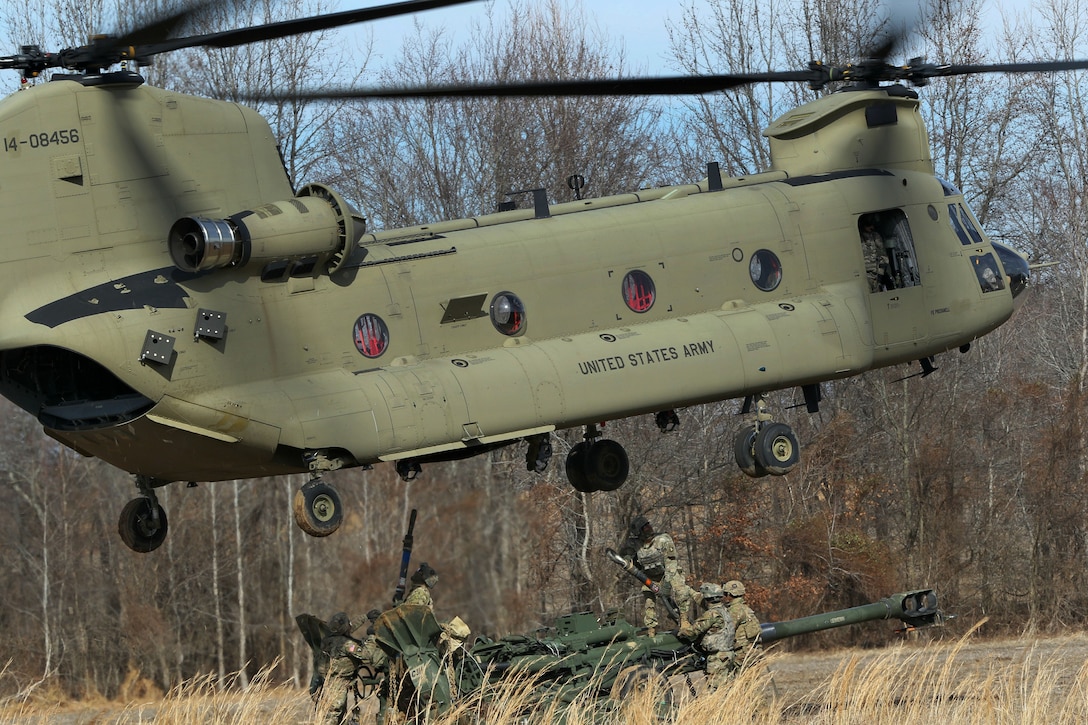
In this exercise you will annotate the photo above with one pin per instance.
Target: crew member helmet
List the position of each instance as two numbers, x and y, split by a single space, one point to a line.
711 591
339 624
425 574
641 528
734 588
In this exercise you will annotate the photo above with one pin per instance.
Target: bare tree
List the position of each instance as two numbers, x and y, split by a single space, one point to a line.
416 161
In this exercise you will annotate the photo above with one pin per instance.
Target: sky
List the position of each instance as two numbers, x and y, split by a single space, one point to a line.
638 24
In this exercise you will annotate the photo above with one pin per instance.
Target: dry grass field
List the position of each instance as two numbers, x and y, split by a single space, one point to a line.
1021 681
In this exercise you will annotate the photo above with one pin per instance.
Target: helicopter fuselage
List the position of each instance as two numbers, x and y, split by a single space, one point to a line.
136 335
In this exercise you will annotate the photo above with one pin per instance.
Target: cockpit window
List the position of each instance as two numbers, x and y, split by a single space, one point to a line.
963 225
990 277
888 247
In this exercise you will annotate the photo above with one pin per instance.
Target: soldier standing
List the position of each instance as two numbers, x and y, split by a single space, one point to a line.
712 633
345 655
655 554
423 581
746 646
876 256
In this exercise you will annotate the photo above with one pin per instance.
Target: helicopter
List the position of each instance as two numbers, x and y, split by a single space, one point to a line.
175 308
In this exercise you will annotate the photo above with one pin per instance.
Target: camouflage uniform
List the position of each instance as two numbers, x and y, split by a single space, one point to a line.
746 647
655 554
713 634
876 257
345 655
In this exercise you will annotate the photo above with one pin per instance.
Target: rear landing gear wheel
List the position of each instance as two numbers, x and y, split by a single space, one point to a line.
317 508
744 451
776 449
142 525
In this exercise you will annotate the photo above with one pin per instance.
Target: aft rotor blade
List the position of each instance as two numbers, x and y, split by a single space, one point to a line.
282 29
1028 67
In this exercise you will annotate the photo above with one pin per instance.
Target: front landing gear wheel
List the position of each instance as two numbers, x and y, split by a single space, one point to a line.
576 468
317 508
776 449
142 525
744 451
607 465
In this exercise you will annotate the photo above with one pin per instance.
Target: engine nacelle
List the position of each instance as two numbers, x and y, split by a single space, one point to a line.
315 223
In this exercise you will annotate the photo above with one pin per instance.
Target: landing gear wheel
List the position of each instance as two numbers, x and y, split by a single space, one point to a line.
744 451
577 468
776 449
139 526
607 465
317 508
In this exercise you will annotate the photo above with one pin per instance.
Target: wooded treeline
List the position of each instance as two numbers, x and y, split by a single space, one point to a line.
971 480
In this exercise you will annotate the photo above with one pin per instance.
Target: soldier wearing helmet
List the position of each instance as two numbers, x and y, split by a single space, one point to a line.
344 655
746 646
655 554
712 633
423 581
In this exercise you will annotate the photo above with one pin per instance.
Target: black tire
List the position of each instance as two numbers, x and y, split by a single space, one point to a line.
317 508
777 449
639 678
744 451
577 468
607 465
138 527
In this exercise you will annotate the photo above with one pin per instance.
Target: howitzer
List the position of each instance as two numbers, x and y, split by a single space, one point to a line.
914 609
582 658
629 567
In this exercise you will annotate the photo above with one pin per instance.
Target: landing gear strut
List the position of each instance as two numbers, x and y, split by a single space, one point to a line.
597 465
316 505
765 446
143 524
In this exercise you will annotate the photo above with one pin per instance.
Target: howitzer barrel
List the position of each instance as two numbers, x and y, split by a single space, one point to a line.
917 608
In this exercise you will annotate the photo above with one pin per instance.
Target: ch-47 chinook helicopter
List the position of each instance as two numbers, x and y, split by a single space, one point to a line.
172 306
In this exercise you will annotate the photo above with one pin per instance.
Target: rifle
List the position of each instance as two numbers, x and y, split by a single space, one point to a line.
630 568
405 557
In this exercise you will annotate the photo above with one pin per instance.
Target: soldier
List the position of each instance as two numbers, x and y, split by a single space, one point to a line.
655 554
374 657
712 633
345 654
876 255
746 646
422 582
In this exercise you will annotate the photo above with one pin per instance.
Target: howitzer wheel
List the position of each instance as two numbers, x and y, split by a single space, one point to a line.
139 527
317 508
632 681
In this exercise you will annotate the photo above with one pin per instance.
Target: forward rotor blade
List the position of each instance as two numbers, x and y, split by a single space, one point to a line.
152 39
650 86
282 29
